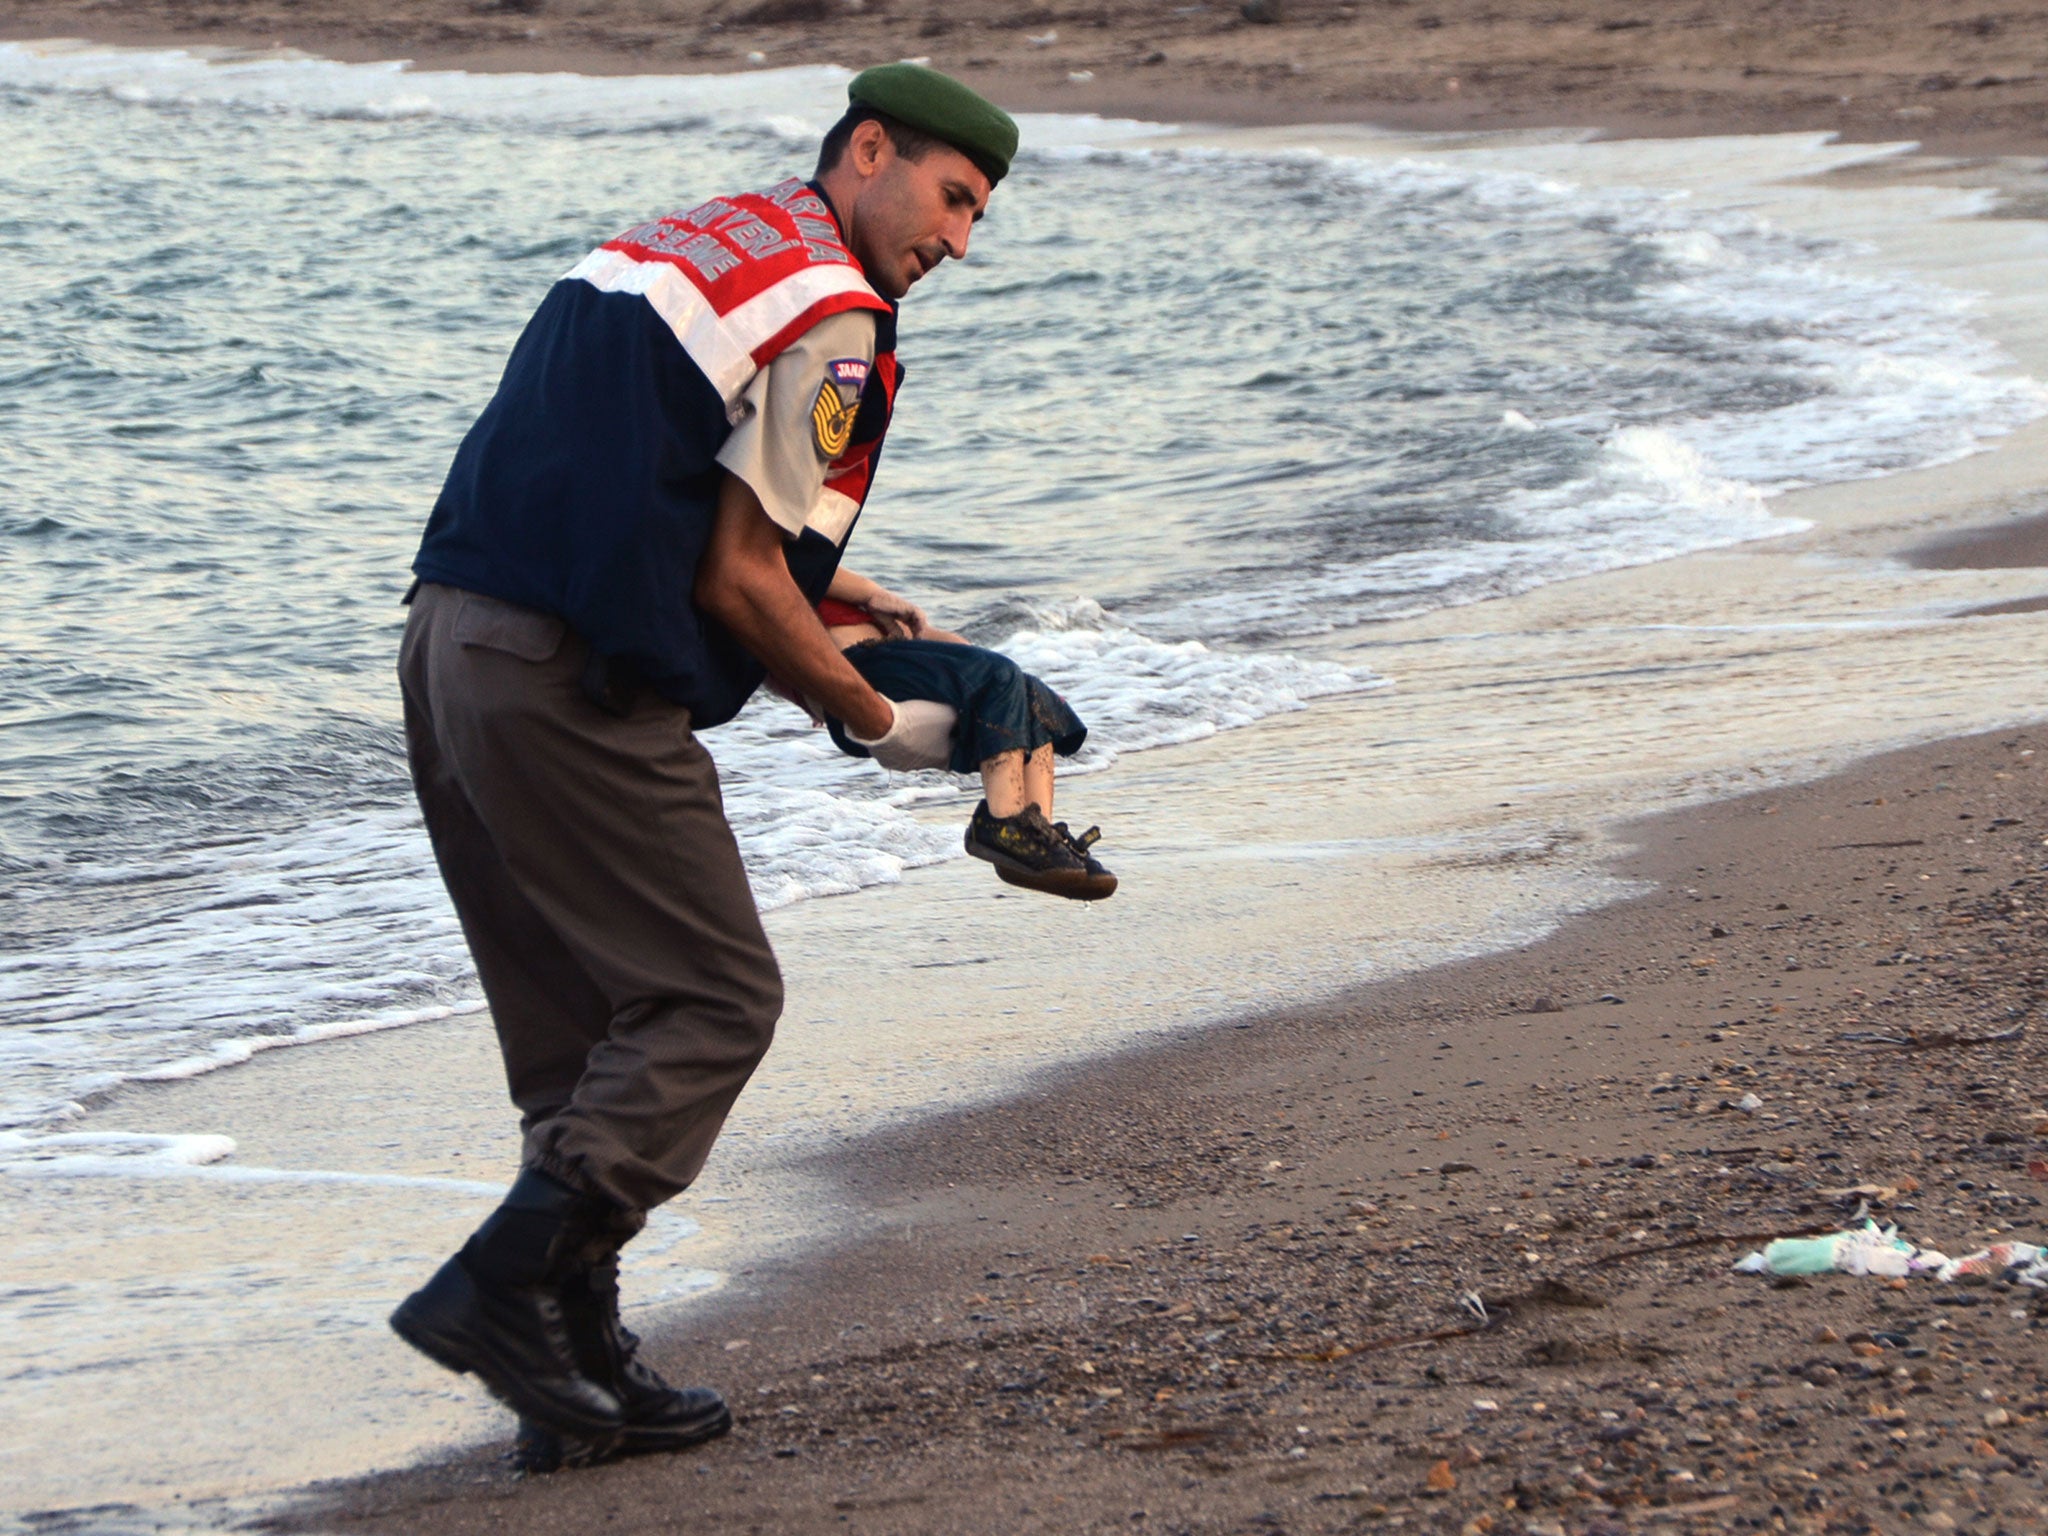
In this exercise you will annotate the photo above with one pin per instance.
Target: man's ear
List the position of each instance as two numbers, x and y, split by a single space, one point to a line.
868 147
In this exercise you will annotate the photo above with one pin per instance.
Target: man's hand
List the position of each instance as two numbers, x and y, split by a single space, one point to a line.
743 581
921 736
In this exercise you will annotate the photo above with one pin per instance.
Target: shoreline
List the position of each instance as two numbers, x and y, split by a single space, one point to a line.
1215 1279
1456 66
1880 510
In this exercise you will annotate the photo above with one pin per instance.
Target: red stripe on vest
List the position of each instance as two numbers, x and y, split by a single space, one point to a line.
837 304
735 248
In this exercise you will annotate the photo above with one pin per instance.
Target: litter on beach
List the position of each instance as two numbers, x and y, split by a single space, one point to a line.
1866 1250
2022 1263
1872 1249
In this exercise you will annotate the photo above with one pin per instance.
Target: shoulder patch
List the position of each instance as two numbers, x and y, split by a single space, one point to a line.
838 403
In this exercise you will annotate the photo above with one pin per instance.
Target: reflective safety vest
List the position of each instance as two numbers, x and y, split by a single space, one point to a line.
588 486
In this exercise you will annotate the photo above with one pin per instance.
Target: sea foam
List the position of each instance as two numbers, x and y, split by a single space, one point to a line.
341 927
793 103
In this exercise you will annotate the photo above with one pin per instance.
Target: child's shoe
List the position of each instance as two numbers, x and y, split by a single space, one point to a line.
1102 877
1028 850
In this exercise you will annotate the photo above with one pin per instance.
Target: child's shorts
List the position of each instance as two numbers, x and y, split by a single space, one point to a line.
1002 707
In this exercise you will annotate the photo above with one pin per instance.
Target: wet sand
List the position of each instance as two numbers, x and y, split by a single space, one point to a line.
1956 76
2018 544
1214 1285
2021 544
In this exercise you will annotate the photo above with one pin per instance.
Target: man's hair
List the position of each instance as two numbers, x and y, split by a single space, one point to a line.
911 143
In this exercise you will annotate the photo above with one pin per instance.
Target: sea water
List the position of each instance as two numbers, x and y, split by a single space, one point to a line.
1185 426
1176 409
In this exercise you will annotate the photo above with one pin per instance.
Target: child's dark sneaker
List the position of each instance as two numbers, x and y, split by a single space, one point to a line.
1027 850
1105 881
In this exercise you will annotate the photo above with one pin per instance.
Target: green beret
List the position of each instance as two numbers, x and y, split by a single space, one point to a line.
941 106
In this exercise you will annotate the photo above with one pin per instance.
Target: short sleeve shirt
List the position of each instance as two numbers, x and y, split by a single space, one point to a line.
795 413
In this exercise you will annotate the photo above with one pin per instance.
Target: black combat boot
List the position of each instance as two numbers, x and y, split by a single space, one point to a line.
658 1417
498 1308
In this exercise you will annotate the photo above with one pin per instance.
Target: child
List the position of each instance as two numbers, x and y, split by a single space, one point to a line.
1009 726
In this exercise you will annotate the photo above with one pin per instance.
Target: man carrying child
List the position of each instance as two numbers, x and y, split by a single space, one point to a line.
636 530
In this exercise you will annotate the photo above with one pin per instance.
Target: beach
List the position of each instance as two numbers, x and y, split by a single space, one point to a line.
1215 1285
1160 1217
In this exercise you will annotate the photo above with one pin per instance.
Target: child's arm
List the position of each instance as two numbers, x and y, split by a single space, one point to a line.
898 617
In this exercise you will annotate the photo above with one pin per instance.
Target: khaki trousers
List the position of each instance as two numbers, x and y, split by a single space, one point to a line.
600 890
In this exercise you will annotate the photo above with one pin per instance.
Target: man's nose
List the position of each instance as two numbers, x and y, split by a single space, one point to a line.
958 228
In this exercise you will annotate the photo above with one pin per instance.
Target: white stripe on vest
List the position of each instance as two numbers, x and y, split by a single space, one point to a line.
722 347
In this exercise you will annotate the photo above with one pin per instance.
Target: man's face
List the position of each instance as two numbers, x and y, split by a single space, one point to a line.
910 215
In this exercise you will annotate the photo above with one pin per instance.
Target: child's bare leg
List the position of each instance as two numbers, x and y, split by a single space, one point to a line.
1003 783
1011 780
1038 779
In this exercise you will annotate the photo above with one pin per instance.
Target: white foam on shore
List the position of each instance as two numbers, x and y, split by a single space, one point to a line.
87 1014
1908 382
795 103
126 1148
316 916
1653 496
1894 377
137 1155
1189 691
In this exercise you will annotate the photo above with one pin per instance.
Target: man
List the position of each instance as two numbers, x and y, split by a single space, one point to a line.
635 530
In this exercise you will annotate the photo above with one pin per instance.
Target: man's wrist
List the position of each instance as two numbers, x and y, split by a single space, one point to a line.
878 717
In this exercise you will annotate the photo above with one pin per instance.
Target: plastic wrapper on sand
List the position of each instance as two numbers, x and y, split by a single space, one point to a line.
1866 1250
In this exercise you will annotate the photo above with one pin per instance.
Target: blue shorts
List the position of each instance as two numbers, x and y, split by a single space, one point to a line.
1002 707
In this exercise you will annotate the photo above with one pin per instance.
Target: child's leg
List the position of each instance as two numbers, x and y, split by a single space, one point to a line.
1012 780
1038 778
1003 784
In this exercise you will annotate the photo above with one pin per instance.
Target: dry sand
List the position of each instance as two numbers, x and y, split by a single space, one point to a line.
1215 1286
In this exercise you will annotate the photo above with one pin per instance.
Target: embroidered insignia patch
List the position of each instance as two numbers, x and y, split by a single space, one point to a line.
838 403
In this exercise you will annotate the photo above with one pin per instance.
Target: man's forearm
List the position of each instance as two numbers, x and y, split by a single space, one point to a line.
744 583
783 633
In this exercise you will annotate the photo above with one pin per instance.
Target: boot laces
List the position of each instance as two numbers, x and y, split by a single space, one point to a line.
624 1342
554 1325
